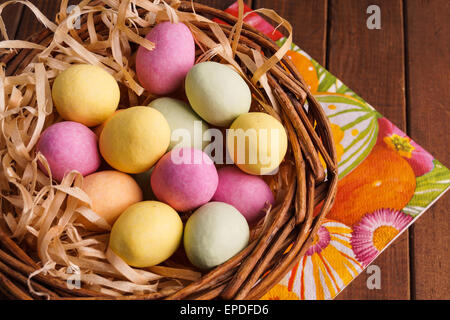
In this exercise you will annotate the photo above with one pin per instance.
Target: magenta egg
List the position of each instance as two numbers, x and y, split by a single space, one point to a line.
184 178
163 69
69 146
247 193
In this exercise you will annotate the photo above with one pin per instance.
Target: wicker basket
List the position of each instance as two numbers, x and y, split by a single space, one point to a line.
277 243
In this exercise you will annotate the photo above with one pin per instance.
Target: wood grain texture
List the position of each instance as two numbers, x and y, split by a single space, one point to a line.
371 62
428 78
308 20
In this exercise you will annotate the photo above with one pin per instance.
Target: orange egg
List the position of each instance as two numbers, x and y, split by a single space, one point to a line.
111 192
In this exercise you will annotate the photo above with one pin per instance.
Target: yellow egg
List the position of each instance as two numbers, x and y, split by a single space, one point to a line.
111 192
86 94
134 139
147 233
98 129
257 143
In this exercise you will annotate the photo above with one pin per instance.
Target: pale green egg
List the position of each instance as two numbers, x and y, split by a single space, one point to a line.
214 233
187 128
217 93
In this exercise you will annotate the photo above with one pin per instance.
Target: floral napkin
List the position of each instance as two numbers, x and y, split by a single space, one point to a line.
386 182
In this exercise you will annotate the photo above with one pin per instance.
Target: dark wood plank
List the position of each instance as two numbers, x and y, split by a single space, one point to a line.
11 16
308 20
371 62
428 47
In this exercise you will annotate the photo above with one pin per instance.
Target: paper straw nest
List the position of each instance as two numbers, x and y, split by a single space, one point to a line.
44 253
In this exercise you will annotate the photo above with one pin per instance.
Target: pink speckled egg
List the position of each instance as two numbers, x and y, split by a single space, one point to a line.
247 193
163 69
184 178
69 146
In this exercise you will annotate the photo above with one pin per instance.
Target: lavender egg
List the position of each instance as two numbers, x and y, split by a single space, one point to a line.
247 193
162 70
69 146
184 178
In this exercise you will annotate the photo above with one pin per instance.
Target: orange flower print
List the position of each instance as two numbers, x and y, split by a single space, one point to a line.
327 266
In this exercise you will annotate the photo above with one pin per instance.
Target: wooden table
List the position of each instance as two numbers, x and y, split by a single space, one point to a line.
401 69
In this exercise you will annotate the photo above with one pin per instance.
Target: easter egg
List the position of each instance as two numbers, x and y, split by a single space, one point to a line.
257 143
163 69
111 192
134 139
69 146
147 233
184 178
245 192
217 93
98 129
86 94
187 128
214 233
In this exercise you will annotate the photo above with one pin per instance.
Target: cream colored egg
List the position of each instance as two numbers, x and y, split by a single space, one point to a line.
257 143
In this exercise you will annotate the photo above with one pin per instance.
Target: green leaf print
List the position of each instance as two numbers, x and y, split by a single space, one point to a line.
358 121
428 188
